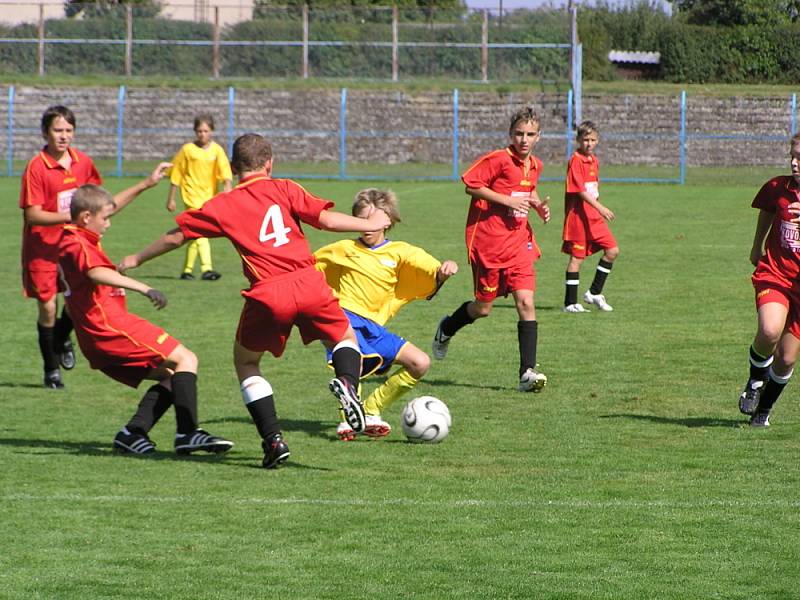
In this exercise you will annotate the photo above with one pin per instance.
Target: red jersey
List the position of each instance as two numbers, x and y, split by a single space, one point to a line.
261 217
583 175
496 235
47 184
782 246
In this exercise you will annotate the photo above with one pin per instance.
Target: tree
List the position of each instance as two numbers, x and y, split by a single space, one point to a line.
111 8
729 13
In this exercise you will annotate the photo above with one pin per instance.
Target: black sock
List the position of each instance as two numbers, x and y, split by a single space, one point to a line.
347 364
460 318
603 269
184 390
772 390
46 347
528 335
152 407
759 365
264 416
571 288
62 329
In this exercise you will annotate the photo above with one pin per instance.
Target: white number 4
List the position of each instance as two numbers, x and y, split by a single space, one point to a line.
273 219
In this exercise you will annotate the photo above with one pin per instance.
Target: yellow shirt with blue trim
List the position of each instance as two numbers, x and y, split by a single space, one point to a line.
198 171
377 282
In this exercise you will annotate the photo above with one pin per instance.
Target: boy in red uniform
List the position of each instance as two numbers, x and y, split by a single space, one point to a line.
48 184
121 345
261 216
776 256
585 227
500 244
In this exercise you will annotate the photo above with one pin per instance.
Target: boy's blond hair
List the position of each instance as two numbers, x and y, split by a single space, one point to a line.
384 200
90 197
527 114
250 153
585 129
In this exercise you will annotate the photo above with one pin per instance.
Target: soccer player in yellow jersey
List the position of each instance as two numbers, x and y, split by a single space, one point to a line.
373 278
198 169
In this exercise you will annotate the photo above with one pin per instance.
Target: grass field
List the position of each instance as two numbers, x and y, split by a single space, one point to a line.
632 476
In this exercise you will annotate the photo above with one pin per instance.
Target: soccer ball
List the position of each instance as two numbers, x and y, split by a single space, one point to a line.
426 419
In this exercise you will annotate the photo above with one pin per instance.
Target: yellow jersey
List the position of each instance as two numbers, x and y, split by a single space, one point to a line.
198 171
377 282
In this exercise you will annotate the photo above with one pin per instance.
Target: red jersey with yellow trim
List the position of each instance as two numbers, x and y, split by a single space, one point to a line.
47 184
496 235
782 246
262 218
583 175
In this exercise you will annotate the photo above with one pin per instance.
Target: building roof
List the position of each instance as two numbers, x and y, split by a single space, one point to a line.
642 58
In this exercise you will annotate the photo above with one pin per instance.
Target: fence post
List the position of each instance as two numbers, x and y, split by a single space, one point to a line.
128 40
682 139
570 122
485 47
343 135
394 42
305 41
231 115
793 117
215 47
10 132
120 127
41 40
455 135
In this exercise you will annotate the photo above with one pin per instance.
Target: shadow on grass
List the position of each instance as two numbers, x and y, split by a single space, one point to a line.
37 386
691 422
325 430
451 383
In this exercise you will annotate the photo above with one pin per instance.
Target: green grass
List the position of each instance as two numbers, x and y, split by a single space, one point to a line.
632 476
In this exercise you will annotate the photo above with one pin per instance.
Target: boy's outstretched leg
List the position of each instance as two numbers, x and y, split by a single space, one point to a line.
346 359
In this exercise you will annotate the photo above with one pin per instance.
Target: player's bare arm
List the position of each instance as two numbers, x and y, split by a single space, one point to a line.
36 215
166 243
331 220
763 225
517 203
173 189
604 211
125 196
106 276
542 207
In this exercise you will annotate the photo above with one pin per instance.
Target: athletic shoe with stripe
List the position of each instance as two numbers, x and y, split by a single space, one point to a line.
441 342
760 419
350 402
67 355
598 300
377 427
532 381
344 432
200 440
576 308
275 451
135 443
748 399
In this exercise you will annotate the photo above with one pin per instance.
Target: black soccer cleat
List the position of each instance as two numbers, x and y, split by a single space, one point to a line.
52 380
67 355
186 276
275 451
200 440
350 403
133 443
210 276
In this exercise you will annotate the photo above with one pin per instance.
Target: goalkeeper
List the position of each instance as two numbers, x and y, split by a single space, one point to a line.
373 278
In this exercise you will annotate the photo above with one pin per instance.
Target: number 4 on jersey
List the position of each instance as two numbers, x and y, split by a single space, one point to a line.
272 227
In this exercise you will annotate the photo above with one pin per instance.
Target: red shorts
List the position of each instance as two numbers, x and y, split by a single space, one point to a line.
583 238
769 288
129 351
300 298
489 282
42 285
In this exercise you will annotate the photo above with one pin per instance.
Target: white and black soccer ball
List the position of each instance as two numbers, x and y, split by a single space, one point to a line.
426 419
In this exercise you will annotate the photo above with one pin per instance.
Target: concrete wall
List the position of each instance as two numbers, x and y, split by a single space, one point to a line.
393 127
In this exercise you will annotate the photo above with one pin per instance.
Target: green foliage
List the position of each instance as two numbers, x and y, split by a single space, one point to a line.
731 13
111 8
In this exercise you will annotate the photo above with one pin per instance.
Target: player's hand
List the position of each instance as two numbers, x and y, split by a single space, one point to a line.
129 262
542 208
378 221
158 173
519 204
158 299
794 208
606 213
446 270
171 205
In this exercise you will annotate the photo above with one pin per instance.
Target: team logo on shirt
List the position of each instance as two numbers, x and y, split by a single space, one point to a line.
790 236
387 262
488 288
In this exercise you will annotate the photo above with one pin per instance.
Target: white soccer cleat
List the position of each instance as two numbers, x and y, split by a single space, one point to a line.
532 381
377 427
344 432
440 343
576 308
598 300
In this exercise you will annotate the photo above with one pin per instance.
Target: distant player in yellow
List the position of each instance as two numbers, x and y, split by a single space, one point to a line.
198 169
373 278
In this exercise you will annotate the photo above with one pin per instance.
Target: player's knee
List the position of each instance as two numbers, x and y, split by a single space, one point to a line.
480 310
611 254
185 359
420 366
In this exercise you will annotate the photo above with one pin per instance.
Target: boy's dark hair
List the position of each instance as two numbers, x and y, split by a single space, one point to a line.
585 128
52 113
527 114
204 118
90 197
250 153
795 139
384 200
